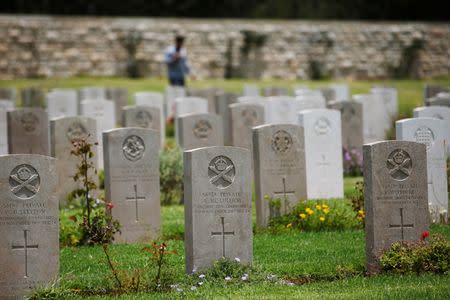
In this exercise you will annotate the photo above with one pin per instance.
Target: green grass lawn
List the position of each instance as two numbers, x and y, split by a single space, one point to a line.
410 91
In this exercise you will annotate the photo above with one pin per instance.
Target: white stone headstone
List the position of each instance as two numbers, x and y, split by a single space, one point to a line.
282 110
92 93
172 93
341 91
103 112
153 99
311 101
5 105
376 120
250 90
323 152
390 98
62 103
438 112
431 132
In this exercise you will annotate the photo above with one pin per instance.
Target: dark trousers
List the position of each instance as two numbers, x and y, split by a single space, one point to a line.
176 81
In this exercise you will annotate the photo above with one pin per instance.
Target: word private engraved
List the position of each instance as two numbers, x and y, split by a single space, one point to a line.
133 148
202 129
281 141
24 181
221 171
399 164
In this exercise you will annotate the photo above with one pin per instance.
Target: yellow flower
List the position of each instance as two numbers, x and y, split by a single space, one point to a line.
302 216
326 210
319 207
322 219
361 212
309 211
289 225
325 206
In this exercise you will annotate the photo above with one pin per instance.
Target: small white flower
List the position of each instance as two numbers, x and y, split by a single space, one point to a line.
201 276
200 283
193 288
228 278
290 284
244 278
237 259
179 290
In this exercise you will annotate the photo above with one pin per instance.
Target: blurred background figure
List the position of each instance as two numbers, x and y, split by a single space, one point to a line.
176 60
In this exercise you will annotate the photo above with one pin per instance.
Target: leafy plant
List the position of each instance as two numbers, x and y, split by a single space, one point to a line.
157 253
424 256
317 215
171 180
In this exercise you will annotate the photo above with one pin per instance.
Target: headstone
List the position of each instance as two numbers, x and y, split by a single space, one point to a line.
341 91
432 90
390 98
351 124
200 130
32 97
271 91
63 132
395 196
310 101
209 94
431 132
252 99
250 90
218 206
188 105
172 93
120 97
28 131
153 99
92 93
103 112
439 100
323 152
376 121
132 182
279 164
5 105
29 251
328 93
143 116
245 116
223 101
438 112
282 110
62 103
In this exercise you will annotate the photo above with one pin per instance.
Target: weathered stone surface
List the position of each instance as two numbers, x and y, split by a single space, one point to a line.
395 195
103 112
32 97
218 206
62 103
222 105
375 117
323 152
243 117
153 99
92 93
431 132
132 182
200 130
279 165
438 112
188 105
282 110
351 124
390 99
5 105
172 93
252 99
144 117
210 94
63 132
311 100
432 90
29 251
120 98
28 131
271 91
250 90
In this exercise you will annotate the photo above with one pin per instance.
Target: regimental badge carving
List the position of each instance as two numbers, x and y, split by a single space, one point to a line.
76 131
281 141
425 136
399 164
29 122
133 148
202 129
221 171
322 126
24 181
250 117
144 119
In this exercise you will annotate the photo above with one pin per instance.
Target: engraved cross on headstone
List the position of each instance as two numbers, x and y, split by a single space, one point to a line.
401 225
136 199
285 194
25 247
222 233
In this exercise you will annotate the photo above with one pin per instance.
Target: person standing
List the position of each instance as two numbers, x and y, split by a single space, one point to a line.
176 60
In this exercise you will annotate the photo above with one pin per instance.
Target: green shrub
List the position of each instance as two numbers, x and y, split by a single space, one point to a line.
419 257
171 180
316 215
